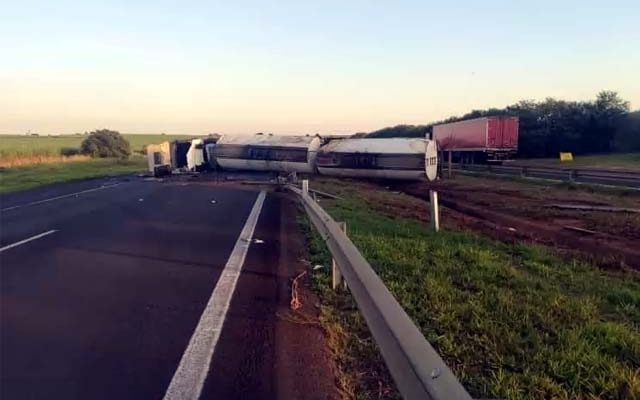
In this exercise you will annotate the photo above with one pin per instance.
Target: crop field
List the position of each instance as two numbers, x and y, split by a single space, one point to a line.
513 319
626 161
30 161
24 150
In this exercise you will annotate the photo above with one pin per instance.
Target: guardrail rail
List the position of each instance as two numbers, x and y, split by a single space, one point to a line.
417 369
597 176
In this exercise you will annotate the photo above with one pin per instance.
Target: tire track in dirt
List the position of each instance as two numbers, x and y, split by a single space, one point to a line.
607 249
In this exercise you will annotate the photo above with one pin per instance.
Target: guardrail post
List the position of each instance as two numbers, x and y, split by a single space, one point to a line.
572 173
450 163
435 213
523 172
336 275
305 187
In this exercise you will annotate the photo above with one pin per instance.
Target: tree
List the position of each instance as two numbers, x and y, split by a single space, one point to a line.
628 133
551 126
105 143
606 114
401 131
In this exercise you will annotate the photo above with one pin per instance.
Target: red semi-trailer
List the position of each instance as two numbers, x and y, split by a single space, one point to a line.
487 139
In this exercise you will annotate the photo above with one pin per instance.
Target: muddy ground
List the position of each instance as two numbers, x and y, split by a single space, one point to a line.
514 211
509 211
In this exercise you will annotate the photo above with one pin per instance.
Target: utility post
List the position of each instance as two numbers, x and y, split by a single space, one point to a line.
435 212
336 275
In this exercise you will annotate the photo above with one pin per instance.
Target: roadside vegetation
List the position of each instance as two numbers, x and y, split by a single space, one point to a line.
20 150
513 320
548 127
28 177
100 153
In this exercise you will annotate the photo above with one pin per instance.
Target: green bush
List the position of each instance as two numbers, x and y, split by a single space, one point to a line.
105 143
69 151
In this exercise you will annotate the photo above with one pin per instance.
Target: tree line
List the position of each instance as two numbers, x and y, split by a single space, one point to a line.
551 126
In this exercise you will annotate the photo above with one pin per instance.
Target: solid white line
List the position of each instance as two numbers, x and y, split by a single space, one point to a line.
28 240
33 203
189 378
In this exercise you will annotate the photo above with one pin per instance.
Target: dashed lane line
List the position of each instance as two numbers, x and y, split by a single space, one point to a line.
33 203
32 238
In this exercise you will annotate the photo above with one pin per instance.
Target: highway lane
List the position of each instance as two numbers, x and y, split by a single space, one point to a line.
266 351
105 306
18 199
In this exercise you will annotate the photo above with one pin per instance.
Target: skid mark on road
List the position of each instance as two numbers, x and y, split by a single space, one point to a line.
33 203
188 380
36 237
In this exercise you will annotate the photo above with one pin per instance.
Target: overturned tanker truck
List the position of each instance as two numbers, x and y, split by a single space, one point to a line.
393 158
409 159
268 153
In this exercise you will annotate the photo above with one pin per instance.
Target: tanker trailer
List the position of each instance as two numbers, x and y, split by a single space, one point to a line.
395 158
262 152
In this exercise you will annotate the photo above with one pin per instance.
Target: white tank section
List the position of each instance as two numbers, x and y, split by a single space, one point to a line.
209 150
195 154
394 158
268 153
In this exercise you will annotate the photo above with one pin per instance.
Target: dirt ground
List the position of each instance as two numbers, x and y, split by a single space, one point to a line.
509 211
513 211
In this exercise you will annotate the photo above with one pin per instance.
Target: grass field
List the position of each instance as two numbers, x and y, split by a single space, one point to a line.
607 161
31 161
512 320
10 144
24 150
31 176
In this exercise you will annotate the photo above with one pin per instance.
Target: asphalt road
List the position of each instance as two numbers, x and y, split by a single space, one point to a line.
104 299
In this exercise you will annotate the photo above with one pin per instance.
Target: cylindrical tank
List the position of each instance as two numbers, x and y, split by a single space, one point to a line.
268 153
395 158
431 159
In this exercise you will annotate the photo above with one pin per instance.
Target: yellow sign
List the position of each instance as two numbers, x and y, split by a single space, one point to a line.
566 157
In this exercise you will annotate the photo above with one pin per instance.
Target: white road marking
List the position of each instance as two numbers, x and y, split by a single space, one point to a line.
27 240
189 378
33 203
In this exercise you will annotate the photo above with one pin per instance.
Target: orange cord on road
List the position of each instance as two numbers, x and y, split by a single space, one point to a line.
295 299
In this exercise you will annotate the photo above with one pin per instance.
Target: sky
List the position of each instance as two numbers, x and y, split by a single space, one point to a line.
297 67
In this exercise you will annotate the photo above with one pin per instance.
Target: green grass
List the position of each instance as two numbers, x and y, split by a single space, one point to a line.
27 177
513 321
612 161
15 144
15 178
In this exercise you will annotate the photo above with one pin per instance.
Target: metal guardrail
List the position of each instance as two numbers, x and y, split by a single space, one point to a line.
597 176
417 369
